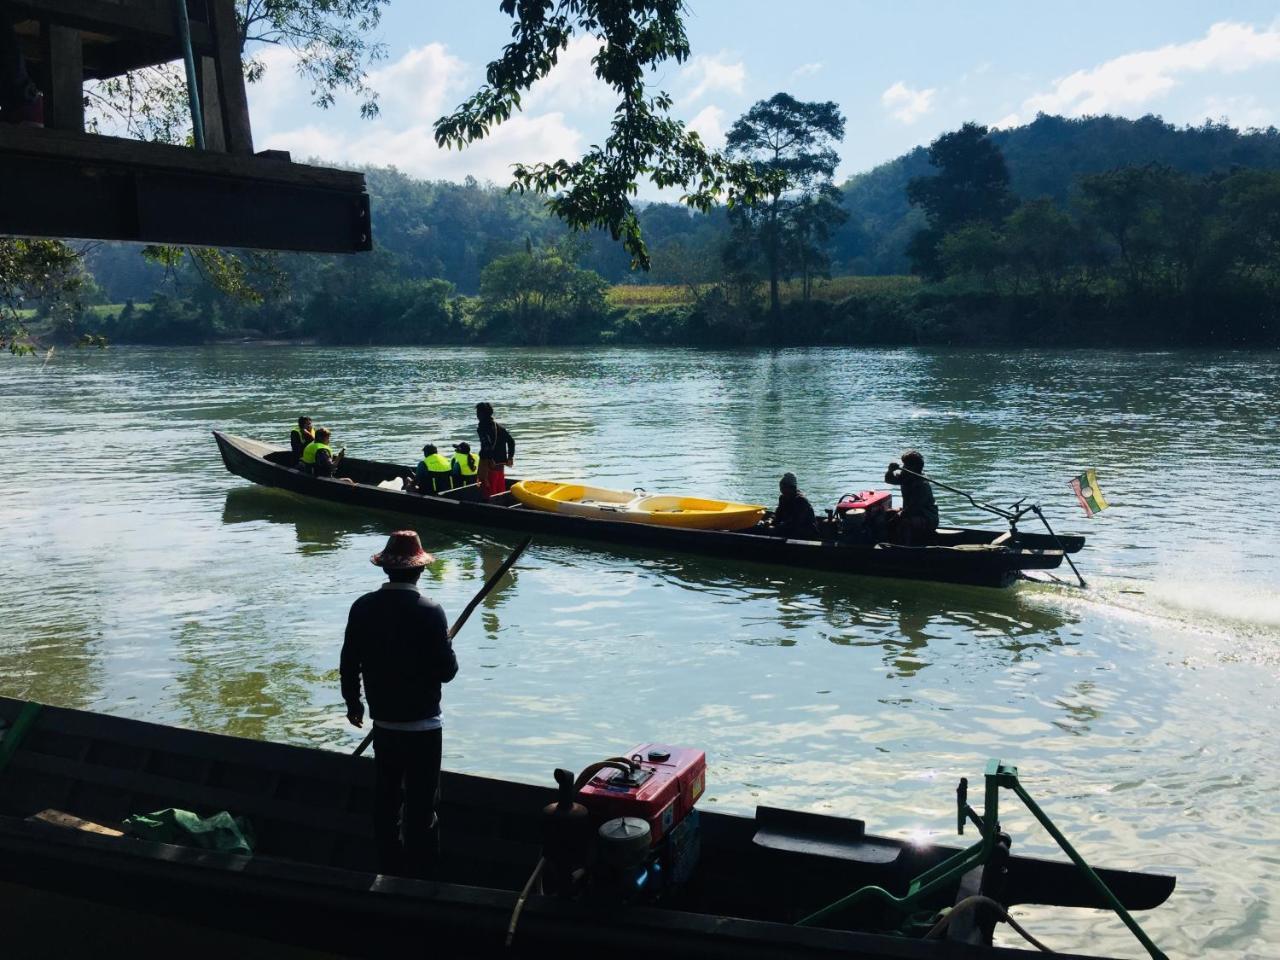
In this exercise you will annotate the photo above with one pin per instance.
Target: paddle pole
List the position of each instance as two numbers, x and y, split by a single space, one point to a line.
1009 515
462 617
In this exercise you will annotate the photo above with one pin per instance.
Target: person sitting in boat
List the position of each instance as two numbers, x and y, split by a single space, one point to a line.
915 523
435 474
497 451
466 471
397 642
299 437
318 457
793 518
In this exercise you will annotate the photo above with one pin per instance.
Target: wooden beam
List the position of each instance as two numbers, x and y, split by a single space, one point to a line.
64 96
215 139
231 93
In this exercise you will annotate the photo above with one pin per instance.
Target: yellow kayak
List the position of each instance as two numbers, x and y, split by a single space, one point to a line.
696 513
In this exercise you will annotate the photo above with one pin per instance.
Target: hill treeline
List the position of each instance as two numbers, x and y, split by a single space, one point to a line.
1110 230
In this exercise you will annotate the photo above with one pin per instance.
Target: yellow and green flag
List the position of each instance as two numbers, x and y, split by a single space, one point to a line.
1085 487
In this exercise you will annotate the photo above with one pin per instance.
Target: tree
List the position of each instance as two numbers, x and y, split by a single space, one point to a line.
329 40
541 288
791 146
972 185
47 273
644 142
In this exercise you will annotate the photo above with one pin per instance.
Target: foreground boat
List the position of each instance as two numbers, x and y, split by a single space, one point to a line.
978 557
310 882
690 513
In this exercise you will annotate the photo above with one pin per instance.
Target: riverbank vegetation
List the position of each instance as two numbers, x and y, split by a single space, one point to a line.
1090 232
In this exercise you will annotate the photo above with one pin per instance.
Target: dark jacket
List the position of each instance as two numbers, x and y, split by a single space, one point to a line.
495 442
917 496
398 641
794 518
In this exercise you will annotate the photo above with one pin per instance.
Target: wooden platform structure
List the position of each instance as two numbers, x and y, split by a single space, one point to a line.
60 181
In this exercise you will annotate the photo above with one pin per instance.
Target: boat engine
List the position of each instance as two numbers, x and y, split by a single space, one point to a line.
641 807
864 517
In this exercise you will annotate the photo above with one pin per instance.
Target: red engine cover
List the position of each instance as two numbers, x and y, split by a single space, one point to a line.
663 799
866 500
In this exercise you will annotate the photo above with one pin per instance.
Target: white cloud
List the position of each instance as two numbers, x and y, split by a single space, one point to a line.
421 84
907 104
709 125
414 91
1243 112
709 74
1007 121
572 83
807 69
1134 79
413 148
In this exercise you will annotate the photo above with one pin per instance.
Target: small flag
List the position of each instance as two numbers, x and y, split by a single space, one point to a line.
1085 487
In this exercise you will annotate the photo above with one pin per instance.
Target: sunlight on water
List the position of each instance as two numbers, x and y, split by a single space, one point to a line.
142 579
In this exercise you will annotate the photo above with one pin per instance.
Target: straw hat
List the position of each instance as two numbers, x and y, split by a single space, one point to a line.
402 552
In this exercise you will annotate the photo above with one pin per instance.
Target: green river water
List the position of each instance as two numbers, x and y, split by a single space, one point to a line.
141 579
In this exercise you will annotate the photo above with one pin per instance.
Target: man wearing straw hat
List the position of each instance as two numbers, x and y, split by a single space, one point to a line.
398 641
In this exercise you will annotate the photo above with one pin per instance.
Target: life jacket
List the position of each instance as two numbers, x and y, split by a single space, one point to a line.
468 464
314 447
303 438
440 471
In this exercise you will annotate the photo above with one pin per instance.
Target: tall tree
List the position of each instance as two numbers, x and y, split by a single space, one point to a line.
790 144
645 142
971 186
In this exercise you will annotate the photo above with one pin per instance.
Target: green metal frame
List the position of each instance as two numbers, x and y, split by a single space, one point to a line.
949 871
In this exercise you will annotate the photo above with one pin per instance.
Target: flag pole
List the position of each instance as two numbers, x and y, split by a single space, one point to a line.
1009 515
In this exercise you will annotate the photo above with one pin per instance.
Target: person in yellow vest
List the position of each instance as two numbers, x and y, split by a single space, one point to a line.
318 458
299 437
435 473
466 465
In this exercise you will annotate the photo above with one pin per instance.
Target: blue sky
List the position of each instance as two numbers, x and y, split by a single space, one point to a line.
902 72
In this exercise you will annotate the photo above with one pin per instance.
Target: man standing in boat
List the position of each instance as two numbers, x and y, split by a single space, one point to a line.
497 451
398 641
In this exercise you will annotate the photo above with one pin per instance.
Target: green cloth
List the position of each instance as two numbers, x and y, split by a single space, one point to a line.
221 831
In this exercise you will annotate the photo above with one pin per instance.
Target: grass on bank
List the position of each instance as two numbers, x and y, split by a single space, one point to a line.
837 288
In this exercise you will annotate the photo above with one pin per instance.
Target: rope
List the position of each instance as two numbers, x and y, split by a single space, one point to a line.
524 895
972 903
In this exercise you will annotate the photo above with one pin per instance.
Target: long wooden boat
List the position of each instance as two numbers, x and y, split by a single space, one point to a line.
310 882
978 557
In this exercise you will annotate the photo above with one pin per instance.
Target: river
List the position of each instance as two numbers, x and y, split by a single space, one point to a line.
141 579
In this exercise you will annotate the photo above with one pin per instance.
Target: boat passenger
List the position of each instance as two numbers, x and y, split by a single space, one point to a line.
497 451
397 641
915 523
793 518
435 473
299 437
318 458
466 472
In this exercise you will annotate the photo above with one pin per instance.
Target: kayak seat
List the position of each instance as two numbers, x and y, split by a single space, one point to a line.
815 835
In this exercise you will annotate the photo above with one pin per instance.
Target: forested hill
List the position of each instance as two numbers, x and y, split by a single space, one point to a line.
1045 159
451 231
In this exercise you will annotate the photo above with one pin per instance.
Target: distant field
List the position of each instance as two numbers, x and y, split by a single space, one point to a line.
837 288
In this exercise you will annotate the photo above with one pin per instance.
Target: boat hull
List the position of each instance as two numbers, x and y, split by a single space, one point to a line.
311 883
964 556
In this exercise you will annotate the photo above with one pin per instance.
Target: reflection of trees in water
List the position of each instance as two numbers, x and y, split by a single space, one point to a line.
242 689
54 662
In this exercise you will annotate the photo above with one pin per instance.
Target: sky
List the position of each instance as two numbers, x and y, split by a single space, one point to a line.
902 72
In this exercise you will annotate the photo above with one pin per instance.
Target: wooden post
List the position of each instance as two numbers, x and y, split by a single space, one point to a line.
64 61
230 71
211 106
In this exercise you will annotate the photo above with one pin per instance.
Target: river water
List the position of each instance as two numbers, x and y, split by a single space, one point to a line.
141 579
